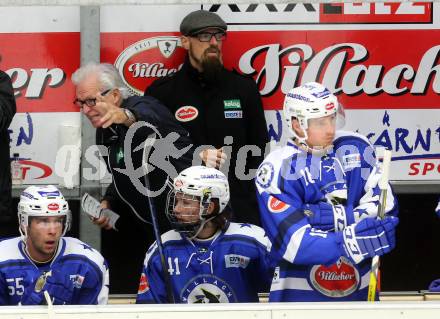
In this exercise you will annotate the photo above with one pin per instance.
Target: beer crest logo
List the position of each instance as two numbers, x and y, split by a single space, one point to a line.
53 206
186 113
149 59
338 280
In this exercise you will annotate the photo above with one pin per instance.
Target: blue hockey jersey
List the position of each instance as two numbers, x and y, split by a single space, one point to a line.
83 265
310 266
231 267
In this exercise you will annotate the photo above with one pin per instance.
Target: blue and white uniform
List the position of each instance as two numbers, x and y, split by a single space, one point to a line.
233 266
74 263
310 262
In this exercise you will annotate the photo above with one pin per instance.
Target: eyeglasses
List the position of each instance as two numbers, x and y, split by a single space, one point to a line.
88 102
207 36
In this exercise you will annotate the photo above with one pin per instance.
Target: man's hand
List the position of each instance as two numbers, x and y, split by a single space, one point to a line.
369 238
325 216
213 157
57 284
110 113
103 221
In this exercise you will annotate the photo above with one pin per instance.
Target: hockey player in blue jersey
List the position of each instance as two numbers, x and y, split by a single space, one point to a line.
42 259
209 259
322 238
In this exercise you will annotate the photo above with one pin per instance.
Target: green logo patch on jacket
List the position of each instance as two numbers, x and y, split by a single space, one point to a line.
232 104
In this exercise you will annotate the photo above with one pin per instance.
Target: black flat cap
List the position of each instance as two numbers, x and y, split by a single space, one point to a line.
200 20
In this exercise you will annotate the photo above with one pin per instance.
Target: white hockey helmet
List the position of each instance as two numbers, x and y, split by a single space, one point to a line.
310 101
202 184
42 201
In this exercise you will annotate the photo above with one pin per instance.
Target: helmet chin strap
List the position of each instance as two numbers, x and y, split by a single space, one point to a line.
321 151
301 142
202 226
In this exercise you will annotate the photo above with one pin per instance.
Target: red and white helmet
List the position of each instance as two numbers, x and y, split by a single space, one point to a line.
202 184
309 101
42 201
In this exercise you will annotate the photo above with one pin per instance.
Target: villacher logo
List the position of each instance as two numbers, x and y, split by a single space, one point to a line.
149 59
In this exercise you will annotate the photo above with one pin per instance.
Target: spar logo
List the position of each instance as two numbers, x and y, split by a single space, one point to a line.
337 280
149 59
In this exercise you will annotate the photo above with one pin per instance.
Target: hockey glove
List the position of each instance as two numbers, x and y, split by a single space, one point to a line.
60 287
369 238
325 216
435 286
437 209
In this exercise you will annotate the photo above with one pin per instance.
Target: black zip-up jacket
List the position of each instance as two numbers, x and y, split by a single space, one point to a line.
7 111
230 105
129 190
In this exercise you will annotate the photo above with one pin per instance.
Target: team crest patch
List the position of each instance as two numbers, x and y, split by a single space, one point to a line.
233 114
77 281
276 206
265 174
143 284
338 280
236 261
207 289
351 161
186 113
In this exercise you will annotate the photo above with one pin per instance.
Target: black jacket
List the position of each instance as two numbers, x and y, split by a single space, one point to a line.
130 190
228 106
7 111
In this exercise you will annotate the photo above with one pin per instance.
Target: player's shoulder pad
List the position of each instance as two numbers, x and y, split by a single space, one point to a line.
9 249
171 235
248 230
167 238
269 170
75 246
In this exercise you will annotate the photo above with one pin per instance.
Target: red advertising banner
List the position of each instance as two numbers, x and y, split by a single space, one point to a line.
354 64
40 65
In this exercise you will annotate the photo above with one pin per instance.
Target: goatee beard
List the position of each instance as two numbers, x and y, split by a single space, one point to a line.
211 65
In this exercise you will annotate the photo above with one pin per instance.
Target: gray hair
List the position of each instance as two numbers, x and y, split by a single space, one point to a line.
107 74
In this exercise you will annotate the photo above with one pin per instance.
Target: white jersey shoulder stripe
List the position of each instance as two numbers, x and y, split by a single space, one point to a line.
171 235
75 246
9 249
249 230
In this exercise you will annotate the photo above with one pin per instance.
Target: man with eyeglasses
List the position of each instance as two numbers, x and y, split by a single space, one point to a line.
221 109
106 101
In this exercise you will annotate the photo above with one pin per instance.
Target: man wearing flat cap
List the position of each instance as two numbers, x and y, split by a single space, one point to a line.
220 108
